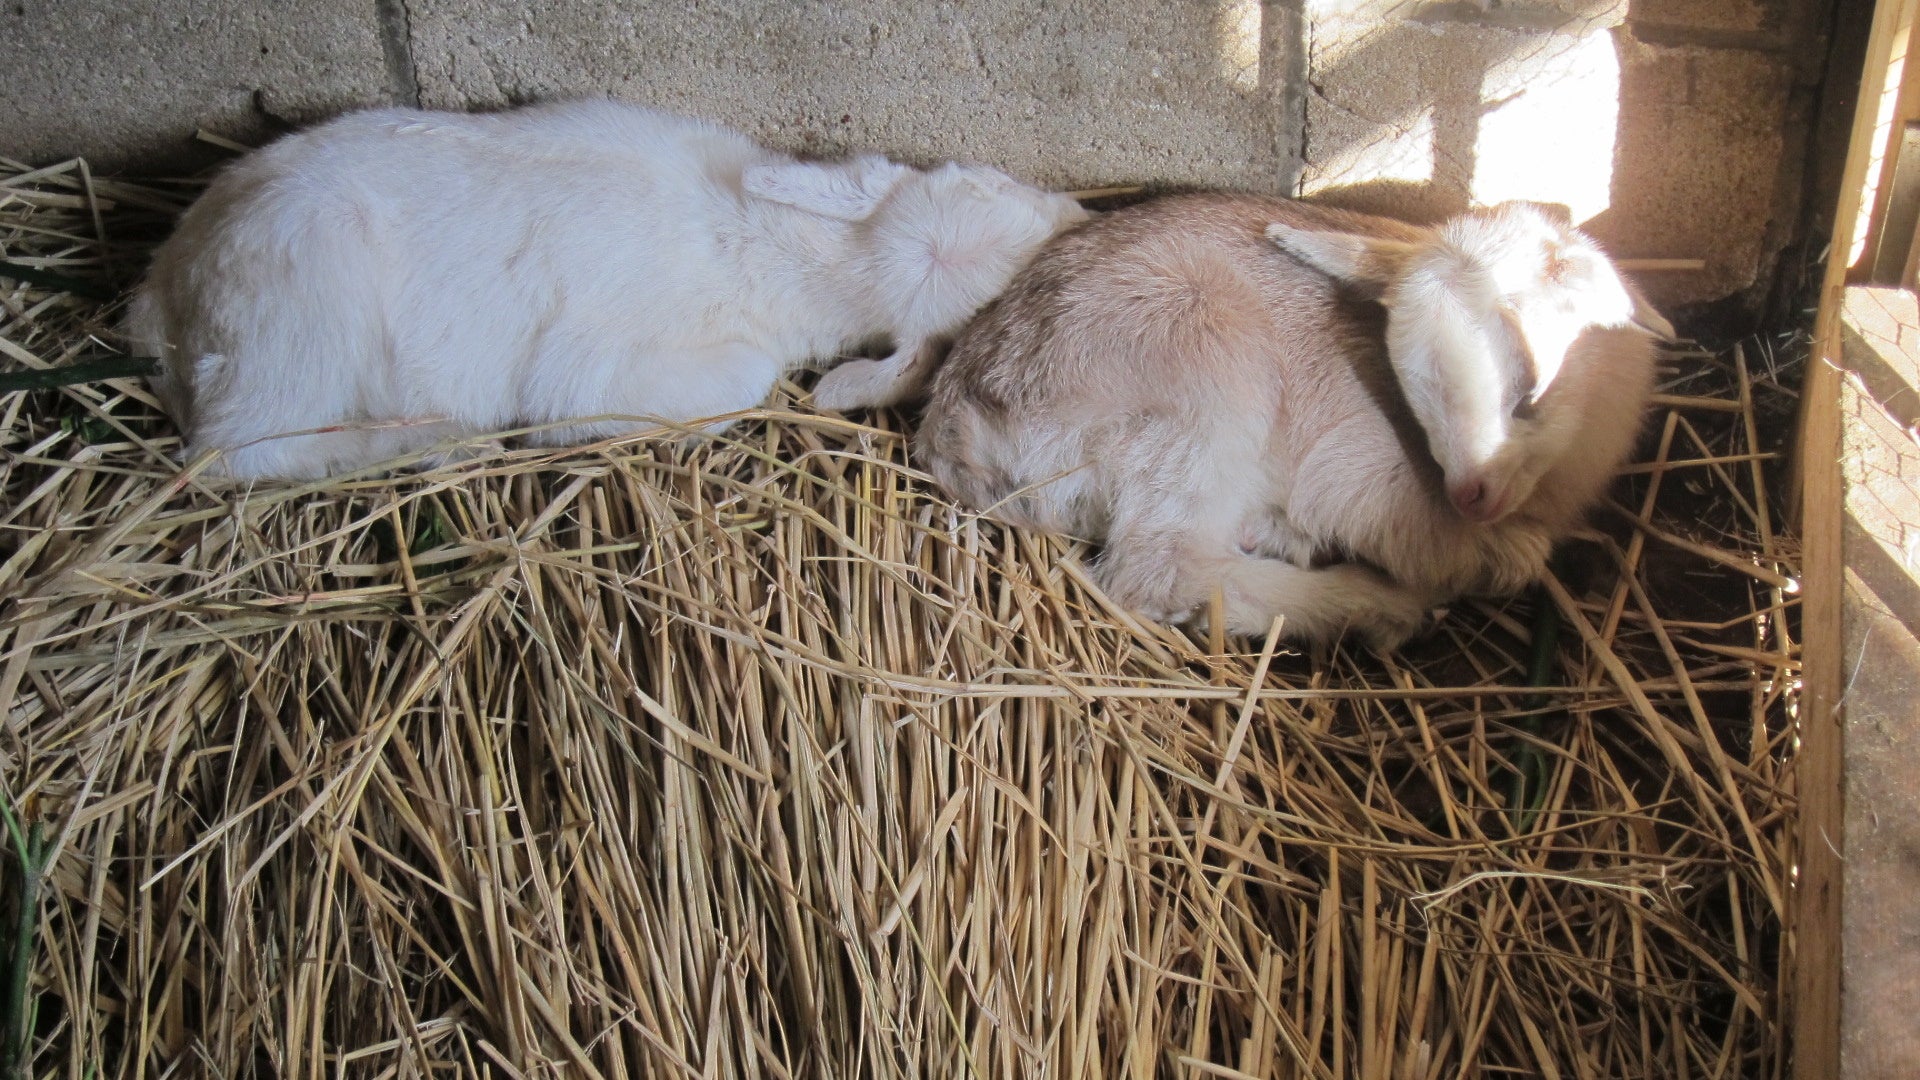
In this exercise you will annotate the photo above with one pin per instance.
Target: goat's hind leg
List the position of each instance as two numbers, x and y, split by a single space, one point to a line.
1317 604
1170 577
1184 549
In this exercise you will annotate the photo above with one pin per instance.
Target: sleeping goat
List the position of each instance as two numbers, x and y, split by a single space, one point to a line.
395 278
1336 418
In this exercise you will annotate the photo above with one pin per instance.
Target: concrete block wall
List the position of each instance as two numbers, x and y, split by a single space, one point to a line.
1675 127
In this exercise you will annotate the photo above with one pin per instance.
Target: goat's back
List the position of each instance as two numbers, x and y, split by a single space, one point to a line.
1176 312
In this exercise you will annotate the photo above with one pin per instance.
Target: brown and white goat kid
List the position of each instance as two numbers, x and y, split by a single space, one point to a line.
1336 418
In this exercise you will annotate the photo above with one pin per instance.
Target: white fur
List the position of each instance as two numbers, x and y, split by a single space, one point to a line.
1223 415
410 277
1463 310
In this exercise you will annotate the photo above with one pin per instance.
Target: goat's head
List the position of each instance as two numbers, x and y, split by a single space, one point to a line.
950 239
932 245
1483 316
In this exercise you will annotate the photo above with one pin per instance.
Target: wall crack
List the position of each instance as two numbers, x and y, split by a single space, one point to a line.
396 47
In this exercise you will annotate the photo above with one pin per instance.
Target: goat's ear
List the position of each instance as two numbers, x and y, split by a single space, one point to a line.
982 181
845 191
1367 263
1646 318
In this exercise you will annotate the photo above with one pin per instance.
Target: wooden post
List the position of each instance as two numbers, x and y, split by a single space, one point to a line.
1815 939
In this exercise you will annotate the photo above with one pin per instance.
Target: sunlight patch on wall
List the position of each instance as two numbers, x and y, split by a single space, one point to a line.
1239 47
1885 111
1395 155
1345 28
1548 128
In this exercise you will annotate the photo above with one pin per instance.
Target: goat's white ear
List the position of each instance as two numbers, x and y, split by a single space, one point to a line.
845 191
988 183
1369 263
1646 318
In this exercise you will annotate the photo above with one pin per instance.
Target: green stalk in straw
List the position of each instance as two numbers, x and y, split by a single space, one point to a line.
16 1019
86 371
47 279
1528 789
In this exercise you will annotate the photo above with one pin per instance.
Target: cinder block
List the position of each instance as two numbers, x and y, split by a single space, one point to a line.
127 84
1739 16
1061 94
1698 166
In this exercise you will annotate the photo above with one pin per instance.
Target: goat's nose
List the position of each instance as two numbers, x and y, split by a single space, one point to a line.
1470 497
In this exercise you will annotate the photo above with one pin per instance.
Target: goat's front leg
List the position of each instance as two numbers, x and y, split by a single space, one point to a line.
873 384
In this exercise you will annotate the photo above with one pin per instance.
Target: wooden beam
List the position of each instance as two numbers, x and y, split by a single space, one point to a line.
1814 940
1642 266
1878 662
1895 228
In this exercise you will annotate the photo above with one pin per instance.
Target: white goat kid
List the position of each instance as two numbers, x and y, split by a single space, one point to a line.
399 278
1207 385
